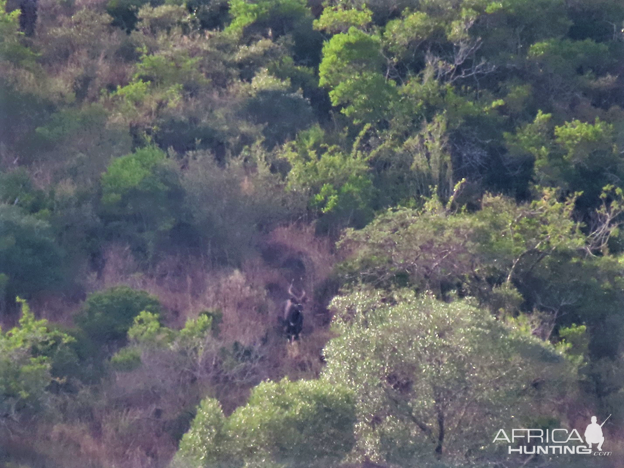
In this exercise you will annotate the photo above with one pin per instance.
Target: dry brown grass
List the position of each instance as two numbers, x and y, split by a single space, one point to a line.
177 282
127 422
250 298
55 308
300 241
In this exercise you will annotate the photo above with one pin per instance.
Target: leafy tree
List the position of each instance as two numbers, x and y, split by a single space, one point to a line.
108 315
280 11
27 355
352 67
565 57
590 20
16 188
128 173
148 334
291 424
140 102
524 235
435 248
30 258
428 249
576 156
278 18
409 32
178 364
435 379
124 12
282 110
69 135
164 21
585 290
338 19
169 69
12 51
211 14
338 183
139 195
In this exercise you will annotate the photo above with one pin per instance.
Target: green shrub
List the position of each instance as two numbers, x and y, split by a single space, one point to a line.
16 188
124 12
414 362
212 14
126 359
288 424
282 114
338 183
108 315
141 195
30 260
27 355
280 17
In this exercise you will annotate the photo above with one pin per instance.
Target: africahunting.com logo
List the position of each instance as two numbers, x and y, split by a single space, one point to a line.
555 441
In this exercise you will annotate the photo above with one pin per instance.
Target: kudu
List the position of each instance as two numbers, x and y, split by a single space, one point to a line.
292 318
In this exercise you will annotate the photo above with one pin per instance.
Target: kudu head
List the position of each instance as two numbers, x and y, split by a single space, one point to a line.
296 299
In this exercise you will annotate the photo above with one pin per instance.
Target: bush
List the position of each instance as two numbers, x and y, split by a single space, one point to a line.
124 12
282 114
30 260
229 207
126 360
212 14
289 424
141 195
27 355
16 188
338 183
414 362
108 315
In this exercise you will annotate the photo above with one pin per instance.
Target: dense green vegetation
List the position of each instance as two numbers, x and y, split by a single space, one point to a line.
443 178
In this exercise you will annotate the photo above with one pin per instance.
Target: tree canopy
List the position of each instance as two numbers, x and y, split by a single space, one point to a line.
443 179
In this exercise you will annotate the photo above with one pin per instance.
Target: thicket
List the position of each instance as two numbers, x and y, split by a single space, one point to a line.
442 177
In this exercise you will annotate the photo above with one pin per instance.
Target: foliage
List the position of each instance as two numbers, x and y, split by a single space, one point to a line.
30 258
70 134
124 12
211 14
471 148
127 173
282 113
338 183
576 156
126 359
304 423
27 354
436 379
436 248
11 49
250 201
278 18
352 65
337 19
108 315
139 193
147 332
206 444
171 71
16 188
245 13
